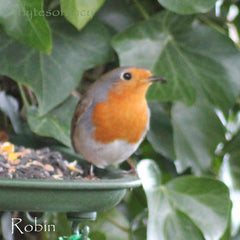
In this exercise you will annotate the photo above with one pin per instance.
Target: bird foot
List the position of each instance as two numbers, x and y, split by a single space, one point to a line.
133 169
89 172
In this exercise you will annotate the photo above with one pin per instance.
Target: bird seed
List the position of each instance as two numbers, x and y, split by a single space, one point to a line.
25 163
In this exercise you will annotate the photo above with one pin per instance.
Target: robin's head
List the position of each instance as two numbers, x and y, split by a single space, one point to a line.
132 79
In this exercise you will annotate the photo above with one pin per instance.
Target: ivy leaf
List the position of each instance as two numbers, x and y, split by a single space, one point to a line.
79 12
232 165
9 106
172 46
186 208
236 22
233 145
53 77
160 134
197 132
230 174
119 14
104 227
24 21
57 219
188 7
56 123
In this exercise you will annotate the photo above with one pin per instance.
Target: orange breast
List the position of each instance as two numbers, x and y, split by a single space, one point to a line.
123 116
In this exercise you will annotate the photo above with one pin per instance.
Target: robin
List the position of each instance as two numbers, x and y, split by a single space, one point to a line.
112 119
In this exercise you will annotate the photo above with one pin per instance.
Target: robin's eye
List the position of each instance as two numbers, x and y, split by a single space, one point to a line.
127 76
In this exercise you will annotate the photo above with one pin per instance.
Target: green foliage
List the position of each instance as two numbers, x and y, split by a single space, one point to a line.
107 224
53 76
161 126
233 150
197 132
52 48
188 6
9 106
80 12
186 207
55 123
24 21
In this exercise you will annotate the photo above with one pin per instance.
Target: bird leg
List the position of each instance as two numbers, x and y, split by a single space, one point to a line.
89 171
133 169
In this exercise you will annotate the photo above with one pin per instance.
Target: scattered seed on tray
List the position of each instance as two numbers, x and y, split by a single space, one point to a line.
19 162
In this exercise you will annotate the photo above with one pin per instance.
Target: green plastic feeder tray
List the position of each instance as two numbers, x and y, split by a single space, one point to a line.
66 195
80 199
76 197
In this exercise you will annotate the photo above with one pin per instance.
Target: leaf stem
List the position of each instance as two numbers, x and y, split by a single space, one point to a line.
212 24
25 101
141 10
110 219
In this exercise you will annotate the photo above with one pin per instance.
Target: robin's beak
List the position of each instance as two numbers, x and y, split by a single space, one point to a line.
157 79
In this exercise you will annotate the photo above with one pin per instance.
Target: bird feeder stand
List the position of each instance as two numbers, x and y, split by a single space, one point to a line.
76 198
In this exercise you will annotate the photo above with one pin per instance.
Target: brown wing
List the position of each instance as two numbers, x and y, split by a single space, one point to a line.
83 105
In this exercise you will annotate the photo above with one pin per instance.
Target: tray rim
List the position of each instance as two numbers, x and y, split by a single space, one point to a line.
126 181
